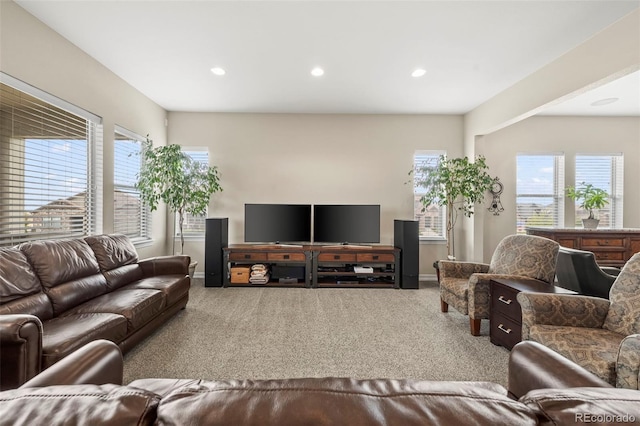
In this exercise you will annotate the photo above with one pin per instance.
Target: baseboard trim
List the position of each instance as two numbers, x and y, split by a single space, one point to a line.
428 277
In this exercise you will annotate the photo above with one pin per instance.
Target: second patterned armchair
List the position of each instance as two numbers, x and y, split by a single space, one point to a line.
602 336
465 285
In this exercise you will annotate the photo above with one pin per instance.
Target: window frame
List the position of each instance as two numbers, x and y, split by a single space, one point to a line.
145 225
615 189
59 115
557 195
192 236
433 154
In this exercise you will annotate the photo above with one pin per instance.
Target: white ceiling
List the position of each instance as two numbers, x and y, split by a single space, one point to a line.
471 50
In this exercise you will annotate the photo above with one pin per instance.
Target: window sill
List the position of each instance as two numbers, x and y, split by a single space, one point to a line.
433 240
142 242
190 237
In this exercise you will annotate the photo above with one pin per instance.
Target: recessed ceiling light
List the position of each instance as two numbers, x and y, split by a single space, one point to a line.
317 72
418 72
218 71
605 101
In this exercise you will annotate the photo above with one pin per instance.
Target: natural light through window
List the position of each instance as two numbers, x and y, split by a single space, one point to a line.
430 219
604 171
539 191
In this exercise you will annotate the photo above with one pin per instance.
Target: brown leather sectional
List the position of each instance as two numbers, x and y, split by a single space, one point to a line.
56 296
86 388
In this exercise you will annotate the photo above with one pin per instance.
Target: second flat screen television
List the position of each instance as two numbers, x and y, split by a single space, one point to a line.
275 223
348 223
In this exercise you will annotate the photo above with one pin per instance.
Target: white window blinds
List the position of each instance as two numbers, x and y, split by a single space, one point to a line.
50 159
131 217
430 219
193 226
539 191
604 171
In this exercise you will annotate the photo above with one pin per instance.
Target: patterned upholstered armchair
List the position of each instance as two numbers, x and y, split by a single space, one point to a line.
465 285
603 336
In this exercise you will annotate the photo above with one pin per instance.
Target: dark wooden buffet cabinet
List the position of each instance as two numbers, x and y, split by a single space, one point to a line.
318 266
612 247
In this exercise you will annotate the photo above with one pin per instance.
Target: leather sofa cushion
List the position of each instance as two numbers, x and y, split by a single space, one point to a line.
57 262
137 306
64 335
68 271
337 401
112 251
78 405
117 258
603 406
73 293
17 278
123 275
36 304
164 387
174 287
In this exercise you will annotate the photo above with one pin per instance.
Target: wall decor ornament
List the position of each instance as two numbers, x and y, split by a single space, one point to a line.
496 189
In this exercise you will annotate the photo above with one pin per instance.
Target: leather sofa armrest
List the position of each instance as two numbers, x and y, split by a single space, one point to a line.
96 363
21 343
562 310
628 363
165 265
534 366
458 269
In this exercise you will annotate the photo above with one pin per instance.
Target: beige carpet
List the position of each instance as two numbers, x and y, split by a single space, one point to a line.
261 333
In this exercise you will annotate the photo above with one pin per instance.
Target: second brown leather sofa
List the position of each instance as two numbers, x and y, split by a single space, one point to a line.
56 296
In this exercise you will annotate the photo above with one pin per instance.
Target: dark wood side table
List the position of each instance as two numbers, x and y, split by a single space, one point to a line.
506 314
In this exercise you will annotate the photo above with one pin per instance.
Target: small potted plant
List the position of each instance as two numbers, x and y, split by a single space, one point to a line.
173 177
590 199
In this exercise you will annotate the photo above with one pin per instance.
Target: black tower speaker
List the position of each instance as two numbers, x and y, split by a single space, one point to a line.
405 237
216 238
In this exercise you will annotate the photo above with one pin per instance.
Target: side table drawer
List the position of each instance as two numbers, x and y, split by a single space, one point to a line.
504 302
504 331
588 243
609 255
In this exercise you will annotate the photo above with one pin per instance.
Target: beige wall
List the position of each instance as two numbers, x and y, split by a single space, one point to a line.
35 54
570 135
316 159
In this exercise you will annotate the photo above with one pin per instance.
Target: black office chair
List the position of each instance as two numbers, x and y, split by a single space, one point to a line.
577 270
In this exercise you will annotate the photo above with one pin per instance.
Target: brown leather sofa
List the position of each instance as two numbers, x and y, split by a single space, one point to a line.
85 388
56 296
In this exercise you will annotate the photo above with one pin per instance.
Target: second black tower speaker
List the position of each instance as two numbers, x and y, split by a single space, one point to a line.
405 237
216 238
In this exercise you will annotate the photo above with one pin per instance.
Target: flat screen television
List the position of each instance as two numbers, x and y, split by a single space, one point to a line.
346 223
275 223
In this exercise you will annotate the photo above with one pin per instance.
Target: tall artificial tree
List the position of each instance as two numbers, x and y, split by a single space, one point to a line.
456 183
170 176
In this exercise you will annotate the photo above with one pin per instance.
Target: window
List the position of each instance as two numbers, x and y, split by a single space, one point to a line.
430 219
131 217
193 226
50 160
605 172
539 191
